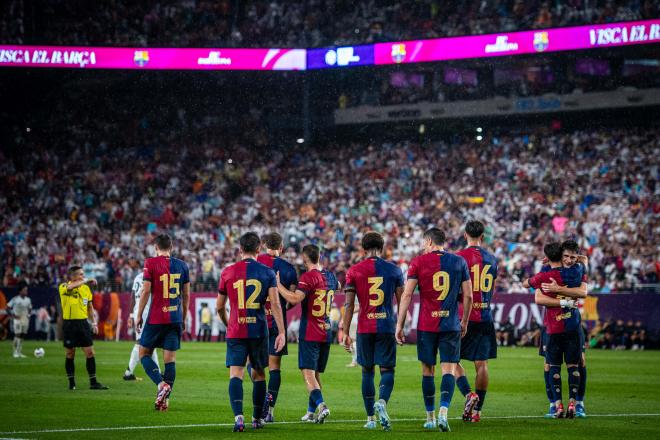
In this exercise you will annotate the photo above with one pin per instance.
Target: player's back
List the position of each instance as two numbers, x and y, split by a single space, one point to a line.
375 281
319 287
246 285
439 277
167 276
483 272
288 277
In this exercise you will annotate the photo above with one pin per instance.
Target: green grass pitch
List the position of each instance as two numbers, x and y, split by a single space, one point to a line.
623 398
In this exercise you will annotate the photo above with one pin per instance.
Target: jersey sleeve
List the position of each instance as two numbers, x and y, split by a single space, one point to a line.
413 269
350 281
146 273
398 279
271 280
10 304
572 277
63 289
86 292
538 279
465 273
222 284
292 277
185 274
306 284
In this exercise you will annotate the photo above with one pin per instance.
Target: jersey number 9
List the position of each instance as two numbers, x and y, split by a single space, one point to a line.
441 284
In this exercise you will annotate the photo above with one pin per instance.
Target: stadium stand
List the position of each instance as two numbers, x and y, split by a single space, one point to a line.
287 23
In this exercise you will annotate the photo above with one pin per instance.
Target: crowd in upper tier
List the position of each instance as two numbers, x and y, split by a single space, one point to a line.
94 190
292 23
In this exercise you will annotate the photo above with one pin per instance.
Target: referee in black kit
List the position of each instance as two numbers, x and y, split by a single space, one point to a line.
77 308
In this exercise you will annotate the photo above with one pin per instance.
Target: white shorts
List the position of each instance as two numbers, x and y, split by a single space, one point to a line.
352 331
21 326
138 334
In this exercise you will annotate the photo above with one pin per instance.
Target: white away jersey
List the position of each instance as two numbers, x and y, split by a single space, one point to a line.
20 306
137 288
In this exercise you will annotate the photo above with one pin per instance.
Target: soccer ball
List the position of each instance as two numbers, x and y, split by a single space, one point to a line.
39 352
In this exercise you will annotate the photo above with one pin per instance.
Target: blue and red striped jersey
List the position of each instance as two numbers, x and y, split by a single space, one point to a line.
167 275
288 278
560 319
439 277
246 285
319 287
375 281
483 271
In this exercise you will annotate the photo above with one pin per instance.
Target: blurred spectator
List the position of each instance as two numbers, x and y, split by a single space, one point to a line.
531 335
506 333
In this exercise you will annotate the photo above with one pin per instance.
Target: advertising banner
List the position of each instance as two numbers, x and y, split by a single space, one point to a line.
152 59
340 57
518 43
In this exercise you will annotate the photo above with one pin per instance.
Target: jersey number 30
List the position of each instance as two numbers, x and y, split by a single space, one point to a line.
322 300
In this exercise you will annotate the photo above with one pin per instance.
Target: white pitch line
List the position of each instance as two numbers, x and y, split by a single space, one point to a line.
213 425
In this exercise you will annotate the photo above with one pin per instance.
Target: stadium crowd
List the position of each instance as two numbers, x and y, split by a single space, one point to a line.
285 23
104 186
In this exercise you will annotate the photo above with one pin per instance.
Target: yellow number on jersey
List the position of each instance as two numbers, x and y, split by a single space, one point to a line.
486 279
240 287
170 281
374 284
322 303
441 284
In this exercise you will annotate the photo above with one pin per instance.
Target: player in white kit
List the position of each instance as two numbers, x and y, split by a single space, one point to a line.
20 308
129 374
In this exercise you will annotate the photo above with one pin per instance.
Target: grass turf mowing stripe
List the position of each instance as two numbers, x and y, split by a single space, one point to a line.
210 425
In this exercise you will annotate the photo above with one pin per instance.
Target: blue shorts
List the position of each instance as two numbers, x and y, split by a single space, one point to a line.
165 336
313 355
564 347
272 334
583 342
479 343
430 343
376 349
239 350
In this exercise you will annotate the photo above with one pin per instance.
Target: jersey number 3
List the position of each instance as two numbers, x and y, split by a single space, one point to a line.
375 290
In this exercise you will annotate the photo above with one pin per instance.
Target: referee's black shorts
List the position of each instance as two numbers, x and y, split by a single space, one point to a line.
77 333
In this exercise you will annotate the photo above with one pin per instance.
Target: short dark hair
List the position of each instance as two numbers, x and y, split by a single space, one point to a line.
436 236
474 228
272 241
73 269
373 241
570 245
553 251
249 242
313 252
163 242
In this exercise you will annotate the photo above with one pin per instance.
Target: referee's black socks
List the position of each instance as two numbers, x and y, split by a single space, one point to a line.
70 368
91 369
